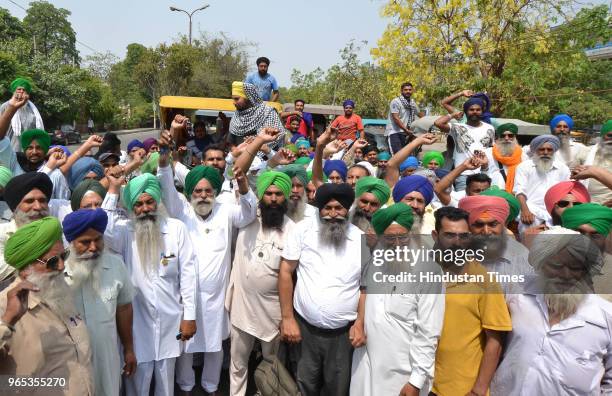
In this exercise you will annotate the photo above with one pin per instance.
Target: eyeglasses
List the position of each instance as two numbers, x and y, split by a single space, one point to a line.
564 203
53 262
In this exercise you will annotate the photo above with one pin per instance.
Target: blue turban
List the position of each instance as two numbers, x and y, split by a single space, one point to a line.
64 149
134 143
81 168
540 140
78 222
413 183
561 117
335 165
348 102
440 173
410 162
302 143
383 156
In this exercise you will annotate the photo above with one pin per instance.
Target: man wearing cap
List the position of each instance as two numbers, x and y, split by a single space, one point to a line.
534 177
403 110
51 339
325 313
160 259
103 295
371 194
348 125
19 113
252 297
489 215
564 195
298 207
506 154
210 227
599 155
560 341
402 324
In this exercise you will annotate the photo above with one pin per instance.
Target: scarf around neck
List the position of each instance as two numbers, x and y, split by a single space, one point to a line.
511 162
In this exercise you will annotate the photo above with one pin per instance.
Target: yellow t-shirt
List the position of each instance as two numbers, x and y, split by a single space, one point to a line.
462 341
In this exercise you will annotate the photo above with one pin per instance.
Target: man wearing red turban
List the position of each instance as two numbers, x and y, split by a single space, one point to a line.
564 195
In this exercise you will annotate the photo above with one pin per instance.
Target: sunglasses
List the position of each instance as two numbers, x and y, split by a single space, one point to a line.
563 204
53 262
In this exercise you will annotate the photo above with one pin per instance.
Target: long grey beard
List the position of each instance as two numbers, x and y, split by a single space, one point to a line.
507 148
333 233
23 218
360 219
55 293
149 242
296 209
605 150
565 149
203 206
417 224
85 269
543 165
563 305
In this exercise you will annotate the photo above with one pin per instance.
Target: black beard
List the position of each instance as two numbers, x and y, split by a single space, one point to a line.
494 246
272 216
474 118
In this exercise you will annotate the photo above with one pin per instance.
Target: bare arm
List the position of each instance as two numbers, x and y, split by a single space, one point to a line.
441 187
392 175
124 317
274 97
17 101
602 175
290 330
357 334
446 102
91 142
317 166
397 121
488 364
245 159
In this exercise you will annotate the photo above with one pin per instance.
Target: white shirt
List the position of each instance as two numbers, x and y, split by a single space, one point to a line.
226 195
212 243
573 357
534 185
327 290
513 261
468 139
164 298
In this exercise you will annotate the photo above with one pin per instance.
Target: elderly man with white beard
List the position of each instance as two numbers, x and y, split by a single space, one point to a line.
560 342
50 340
534 177
27 195
160 259
103 296
325 314
506 154
597 164
210 226
298 207
571 153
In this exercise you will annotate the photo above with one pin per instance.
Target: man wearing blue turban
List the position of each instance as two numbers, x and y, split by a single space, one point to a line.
473 136
349 125
417 192
571 153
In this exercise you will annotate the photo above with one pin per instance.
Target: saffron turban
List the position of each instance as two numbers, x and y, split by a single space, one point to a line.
373 185
335 165
383 156
399 213
82 189
279 179
19 186
39 135
433 155
23 83
202 172
485 206
540 140
147 143
294 170
80 221
597 216
145 183
413 183
410 162
607 127
513 203
133 144
238 89
561 117
348 102
560 190
81 168
342 193
302 143
302 161
32 241
508 127
5 175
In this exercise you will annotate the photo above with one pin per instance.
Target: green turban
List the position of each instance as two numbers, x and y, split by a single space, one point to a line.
5 176
145 183
83 188
597 216
23 83
32 241
302 161
399 213
605 128
39 135
298 171
433 155
150 165
373 185
507 127
292 148
279 179
202 172
513 203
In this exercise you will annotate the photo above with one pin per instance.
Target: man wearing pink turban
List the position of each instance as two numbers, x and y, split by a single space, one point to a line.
564 195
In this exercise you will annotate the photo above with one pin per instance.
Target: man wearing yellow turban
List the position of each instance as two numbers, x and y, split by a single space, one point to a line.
19 113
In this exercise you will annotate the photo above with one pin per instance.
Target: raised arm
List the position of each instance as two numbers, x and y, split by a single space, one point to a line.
447 102
90 143
17 101
175 205
245 159
393 174
441 187
317 166
114 235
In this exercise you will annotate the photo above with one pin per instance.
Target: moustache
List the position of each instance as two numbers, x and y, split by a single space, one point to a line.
88 256
336 219
146 217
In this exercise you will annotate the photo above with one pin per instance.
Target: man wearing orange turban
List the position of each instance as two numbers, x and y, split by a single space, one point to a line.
564 195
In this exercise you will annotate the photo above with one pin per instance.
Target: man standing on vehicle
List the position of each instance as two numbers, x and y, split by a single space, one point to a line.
403 110
349 125
266 84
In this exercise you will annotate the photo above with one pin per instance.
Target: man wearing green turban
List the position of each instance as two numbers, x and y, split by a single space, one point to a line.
433 160
37 253
513 203
36 135
304 161
200 172
277 179
400 213
88 194
19 113
143 184
371 194
588 218
297 205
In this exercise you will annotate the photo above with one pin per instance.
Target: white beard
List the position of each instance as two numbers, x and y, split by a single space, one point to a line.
55 292
203 206
416 225
149 242
84 270
565 149
295 210
506 148
605 150
23 218
564 305
360 220
543 165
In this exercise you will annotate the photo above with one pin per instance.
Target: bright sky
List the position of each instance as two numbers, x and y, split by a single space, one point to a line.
301 34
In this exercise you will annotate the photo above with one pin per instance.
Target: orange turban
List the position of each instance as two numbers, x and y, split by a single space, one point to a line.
481 206
560 190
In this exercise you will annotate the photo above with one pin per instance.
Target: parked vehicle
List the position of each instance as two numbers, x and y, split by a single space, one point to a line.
65 135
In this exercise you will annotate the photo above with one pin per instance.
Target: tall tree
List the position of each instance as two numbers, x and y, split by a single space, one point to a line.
101 64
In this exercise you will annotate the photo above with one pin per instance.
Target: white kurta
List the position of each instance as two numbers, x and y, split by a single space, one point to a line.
212 242
161 299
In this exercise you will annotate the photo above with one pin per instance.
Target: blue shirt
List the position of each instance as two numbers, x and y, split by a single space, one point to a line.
264 85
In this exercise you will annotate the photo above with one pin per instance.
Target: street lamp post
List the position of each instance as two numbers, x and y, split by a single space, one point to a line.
190 15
